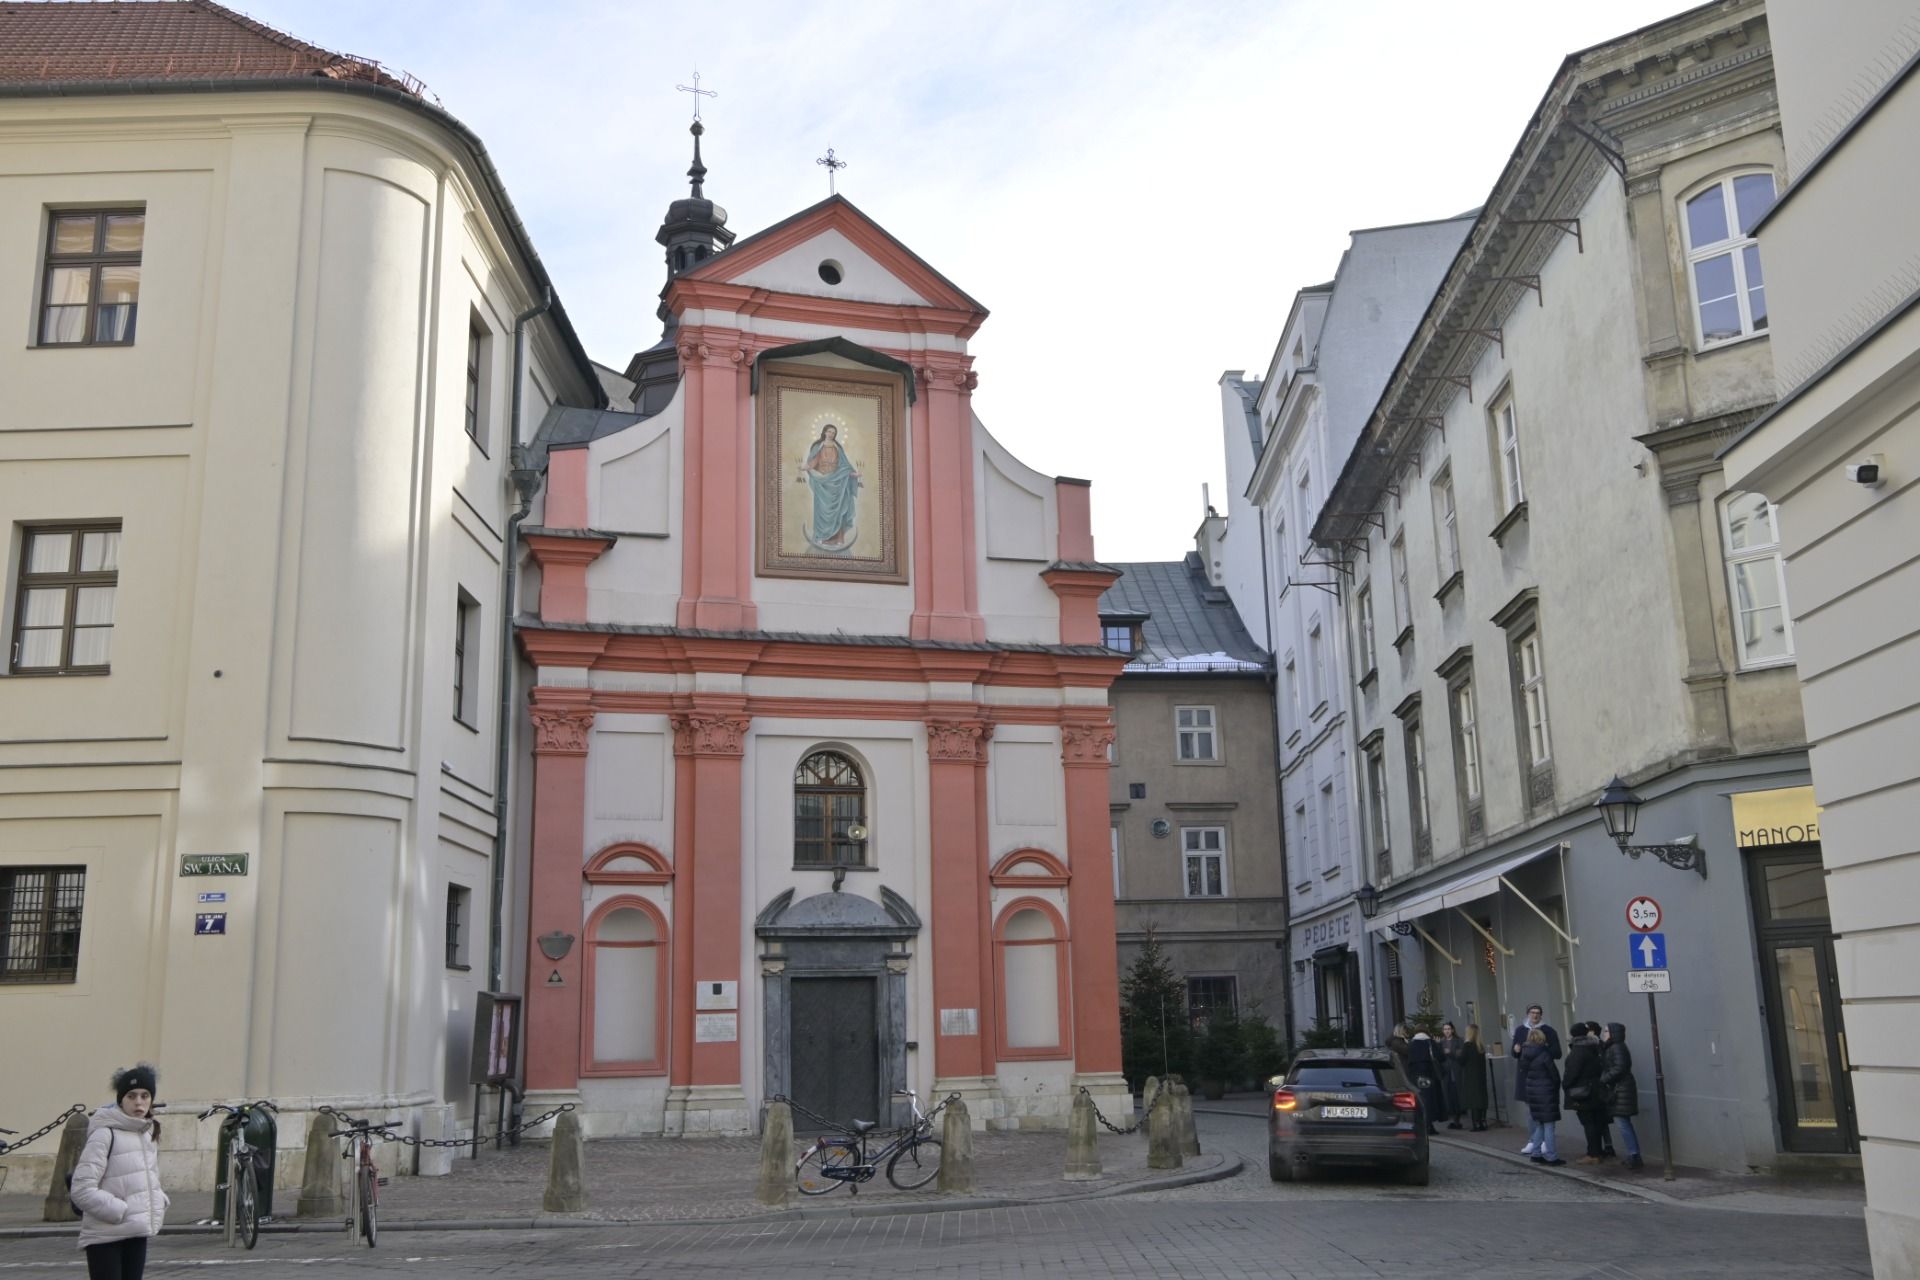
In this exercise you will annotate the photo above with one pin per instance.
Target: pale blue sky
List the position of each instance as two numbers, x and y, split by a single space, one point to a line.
1135 190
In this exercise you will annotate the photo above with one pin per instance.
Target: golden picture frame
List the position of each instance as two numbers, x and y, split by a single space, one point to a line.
831 456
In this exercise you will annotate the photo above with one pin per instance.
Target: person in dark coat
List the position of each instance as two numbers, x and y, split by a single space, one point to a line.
1540 1089
1449 1047
1586 1097
1621 1090
1473 1079
1536 1020
1423 1068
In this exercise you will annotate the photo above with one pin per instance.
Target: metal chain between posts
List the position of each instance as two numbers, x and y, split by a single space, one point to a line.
386 1135
7 1148
837 1127
1135 1126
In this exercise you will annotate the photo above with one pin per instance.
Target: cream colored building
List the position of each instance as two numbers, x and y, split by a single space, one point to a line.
1552 583
253 500
1843 263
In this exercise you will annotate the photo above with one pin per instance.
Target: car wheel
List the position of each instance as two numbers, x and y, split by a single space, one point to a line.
1279 1168
1417 1175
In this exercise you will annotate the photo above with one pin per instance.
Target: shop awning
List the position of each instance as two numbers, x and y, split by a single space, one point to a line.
1481 882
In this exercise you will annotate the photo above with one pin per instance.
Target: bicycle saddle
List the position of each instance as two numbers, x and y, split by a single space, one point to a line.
865 1126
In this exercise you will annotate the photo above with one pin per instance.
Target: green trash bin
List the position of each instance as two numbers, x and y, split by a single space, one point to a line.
262 1136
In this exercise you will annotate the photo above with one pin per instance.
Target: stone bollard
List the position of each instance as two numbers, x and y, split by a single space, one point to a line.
956 1150
437 1122
1147 1095
319 1176
776 1156
73 1140
1163 1135
566 1168
1183 1115
1083 1141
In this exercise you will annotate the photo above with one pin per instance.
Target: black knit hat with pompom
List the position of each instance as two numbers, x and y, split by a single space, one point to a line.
140 1076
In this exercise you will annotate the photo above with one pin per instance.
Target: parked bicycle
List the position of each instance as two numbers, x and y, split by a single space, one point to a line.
842 1160
240 1179
365 1210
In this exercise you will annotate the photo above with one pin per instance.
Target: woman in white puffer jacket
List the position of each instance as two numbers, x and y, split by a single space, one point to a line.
117 1182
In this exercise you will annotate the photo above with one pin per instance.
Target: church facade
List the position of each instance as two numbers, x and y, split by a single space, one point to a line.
819 726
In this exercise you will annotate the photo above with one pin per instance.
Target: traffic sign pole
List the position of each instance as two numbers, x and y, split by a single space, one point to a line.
1660 1084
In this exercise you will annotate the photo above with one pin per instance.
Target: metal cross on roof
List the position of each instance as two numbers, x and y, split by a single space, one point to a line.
697 92
834 165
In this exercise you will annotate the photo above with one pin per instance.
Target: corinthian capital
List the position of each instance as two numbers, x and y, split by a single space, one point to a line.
1085 744
698 734
561 731
962 740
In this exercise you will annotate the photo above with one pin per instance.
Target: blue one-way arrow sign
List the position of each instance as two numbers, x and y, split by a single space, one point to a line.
1647 950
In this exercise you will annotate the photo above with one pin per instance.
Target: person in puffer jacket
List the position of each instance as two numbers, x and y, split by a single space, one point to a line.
117 1182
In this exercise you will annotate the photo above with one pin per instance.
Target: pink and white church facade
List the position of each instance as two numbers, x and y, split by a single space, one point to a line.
819 719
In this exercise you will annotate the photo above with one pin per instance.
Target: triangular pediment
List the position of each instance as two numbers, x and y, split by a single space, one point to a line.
873 266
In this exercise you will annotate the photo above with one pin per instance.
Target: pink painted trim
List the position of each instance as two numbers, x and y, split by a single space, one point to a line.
960 923
1079 592
1053 872
1073 512
553 898
597 872
662 989
1061 954
1096 969
563 573
566 489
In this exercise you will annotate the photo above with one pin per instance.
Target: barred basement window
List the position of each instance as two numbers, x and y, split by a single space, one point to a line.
829 800
40 923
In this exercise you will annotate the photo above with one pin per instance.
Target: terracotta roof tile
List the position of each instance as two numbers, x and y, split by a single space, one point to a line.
95 40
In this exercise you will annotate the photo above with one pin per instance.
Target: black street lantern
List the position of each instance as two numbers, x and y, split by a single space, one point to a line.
1620 809
1369 899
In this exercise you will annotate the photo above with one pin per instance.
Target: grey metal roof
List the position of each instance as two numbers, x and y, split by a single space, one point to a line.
566 427
1186 618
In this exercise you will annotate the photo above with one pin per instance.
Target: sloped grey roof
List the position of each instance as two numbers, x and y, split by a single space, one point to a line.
1188 625
1249 391
566 427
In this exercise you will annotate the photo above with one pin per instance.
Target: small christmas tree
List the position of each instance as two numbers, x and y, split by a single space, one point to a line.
1155 1040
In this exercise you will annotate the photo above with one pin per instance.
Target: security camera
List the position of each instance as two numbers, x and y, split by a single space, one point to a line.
1869 471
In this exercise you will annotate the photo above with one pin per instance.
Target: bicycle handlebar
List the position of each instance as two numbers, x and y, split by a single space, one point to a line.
237 1112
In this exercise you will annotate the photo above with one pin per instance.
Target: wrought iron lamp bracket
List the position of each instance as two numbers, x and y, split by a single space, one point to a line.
1681 857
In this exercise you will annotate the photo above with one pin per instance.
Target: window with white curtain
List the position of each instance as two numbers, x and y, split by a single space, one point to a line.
1363 608
1756 579
1533 698
1204 850
1723 258
1506 449
1467 730
1446 533
1402 599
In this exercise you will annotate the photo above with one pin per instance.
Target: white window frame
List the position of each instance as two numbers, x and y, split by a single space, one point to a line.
1377 799
1734 247
1189 838
1316 665
1187 723
1417 768
1533 698
1329 828
1468 729
1363 608
1446 524
1402 595
1293 692
1113 838
1754 554
1303 496
1304 834
1506 450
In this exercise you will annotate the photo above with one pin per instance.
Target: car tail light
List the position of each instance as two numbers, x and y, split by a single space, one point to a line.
1285 1100
1406 1100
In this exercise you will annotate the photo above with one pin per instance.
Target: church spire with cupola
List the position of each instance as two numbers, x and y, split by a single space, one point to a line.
694 230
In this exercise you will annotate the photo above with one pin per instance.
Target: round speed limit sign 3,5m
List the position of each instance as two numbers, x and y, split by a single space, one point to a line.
1643 914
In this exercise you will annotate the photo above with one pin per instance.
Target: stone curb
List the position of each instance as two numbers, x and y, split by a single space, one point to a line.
1229 1166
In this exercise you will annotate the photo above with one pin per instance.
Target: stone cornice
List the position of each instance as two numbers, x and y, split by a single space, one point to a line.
709 733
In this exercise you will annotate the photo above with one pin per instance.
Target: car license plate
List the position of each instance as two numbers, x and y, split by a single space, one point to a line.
1344 1113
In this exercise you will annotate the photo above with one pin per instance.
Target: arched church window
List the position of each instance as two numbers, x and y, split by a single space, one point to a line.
1030 954
627 960
829 812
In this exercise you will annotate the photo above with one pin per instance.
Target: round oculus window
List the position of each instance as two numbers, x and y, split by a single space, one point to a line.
830 271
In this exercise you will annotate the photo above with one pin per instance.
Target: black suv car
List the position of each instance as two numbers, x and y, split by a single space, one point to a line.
1346 1106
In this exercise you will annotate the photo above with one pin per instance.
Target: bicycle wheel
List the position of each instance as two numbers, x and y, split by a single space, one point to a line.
369 1189
812 1172
915 1165
246 1205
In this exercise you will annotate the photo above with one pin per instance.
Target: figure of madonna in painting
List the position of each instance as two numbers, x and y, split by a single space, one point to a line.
835 484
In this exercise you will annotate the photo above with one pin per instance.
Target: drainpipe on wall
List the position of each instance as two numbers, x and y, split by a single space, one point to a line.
526 483
1268 602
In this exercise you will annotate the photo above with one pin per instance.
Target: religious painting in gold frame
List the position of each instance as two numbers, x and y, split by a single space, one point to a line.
831 464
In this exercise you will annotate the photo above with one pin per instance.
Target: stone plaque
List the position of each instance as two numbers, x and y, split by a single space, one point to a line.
959 1022
714 1028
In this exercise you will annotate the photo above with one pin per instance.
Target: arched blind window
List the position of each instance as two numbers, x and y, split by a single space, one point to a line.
1032 962
829 800
628 954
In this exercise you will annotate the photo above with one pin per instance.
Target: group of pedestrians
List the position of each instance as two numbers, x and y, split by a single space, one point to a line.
1596 1083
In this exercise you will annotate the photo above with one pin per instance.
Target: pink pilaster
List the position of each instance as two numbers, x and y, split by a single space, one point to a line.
1096 976
562 727
956 750
563 561
945 597
716 557
566 506
709 744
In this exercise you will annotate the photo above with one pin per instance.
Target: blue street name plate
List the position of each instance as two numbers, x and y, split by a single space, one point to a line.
217 896
209 924
1646 951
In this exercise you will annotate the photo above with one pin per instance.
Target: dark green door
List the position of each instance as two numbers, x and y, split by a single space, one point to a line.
834 1040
